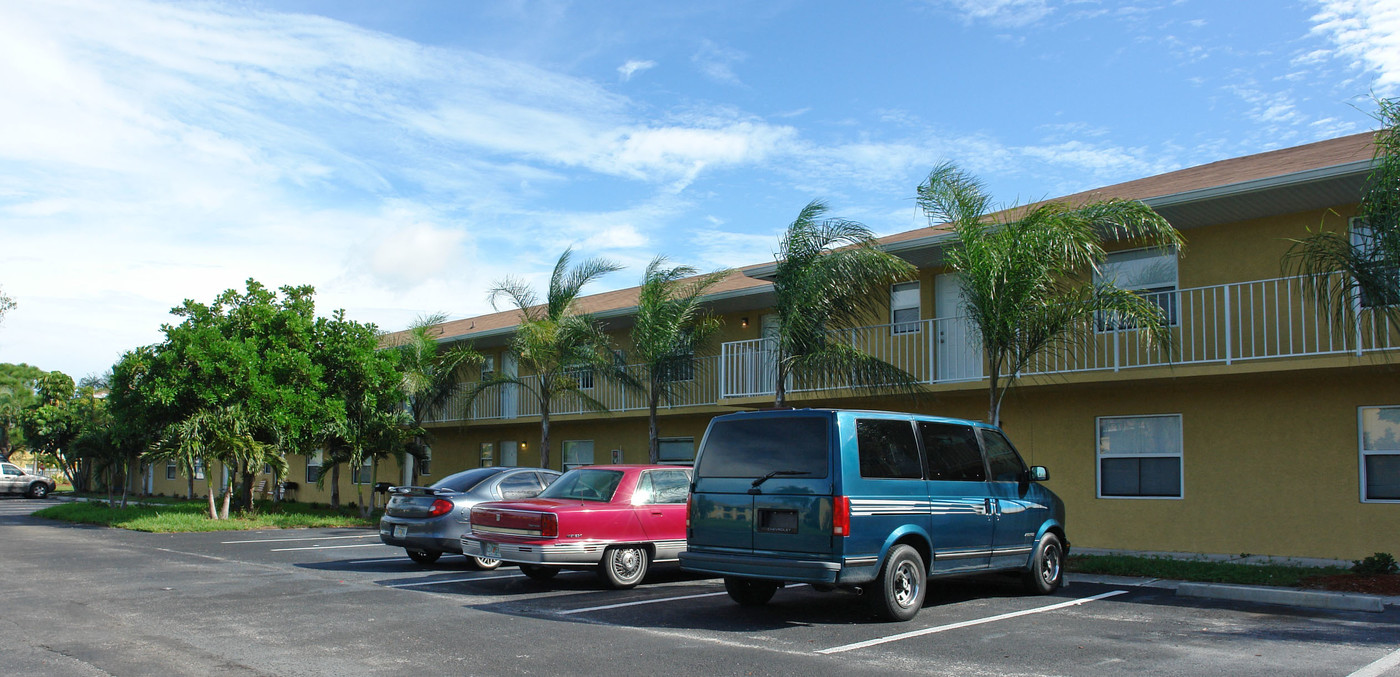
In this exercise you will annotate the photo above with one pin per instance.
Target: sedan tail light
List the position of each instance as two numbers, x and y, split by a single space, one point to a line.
841 516
440 507
549 525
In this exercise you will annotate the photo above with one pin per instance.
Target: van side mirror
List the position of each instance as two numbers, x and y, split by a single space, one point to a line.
1038 473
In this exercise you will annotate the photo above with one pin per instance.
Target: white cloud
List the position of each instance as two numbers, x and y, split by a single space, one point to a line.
1368 33
717 62
1000 12
634 66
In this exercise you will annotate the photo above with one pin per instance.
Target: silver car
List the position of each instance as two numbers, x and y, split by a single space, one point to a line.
14 480
429 521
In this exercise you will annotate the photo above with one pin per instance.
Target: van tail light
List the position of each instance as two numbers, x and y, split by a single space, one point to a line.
549 525
687 515
440 507
841 516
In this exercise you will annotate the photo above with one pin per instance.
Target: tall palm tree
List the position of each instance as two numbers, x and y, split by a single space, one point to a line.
1025 283
555 341
828 269
1346 273
672 325
430 377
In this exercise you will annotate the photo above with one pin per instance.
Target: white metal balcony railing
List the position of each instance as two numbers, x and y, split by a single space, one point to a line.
1221 324
510 401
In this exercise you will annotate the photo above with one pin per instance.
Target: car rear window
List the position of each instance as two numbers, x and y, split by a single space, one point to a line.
795 446
466 480
585 485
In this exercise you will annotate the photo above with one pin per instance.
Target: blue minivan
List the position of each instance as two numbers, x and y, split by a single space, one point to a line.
870 500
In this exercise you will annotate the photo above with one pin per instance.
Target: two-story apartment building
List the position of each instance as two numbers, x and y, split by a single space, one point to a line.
1267 428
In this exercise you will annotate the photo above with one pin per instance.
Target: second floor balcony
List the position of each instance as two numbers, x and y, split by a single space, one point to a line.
1220 324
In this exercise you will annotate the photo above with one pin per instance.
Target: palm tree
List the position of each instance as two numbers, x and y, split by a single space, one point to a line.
1023 279
828 269
556 342
1348 274
430 377
671 327
226 435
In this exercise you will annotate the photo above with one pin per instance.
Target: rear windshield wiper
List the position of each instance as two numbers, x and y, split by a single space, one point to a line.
775 473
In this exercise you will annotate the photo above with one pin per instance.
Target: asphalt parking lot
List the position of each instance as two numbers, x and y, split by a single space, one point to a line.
92 601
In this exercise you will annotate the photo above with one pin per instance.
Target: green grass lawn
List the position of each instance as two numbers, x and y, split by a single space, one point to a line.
1196 570
183 516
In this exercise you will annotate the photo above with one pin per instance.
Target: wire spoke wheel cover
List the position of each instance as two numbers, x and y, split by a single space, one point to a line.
623 566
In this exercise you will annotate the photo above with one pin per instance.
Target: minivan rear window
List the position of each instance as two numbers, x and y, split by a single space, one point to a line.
797 446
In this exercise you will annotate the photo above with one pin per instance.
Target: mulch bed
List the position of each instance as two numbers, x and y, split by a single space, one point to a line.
1381 584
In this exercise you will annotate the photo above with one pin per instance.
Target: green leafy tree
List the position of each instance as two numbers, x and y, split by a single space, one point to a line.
1025 279
431 375
54 422
555 341
828 270
1348 275
672 325
6 305
19 385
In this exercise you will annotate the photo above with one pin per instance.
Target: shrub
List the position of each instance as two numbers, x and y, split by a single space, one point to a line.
1379 563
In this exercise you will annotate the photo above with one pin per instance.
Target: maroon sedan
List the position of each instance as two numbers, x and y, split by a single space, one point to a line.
617 518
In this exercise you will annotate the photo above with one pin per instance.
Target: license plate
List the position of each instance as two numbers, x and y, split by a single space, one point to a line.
400 531
490 550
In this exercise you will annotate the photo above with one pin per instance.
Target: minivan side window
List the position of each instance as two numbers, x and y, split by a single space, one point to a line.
1002 457
887 449
952 452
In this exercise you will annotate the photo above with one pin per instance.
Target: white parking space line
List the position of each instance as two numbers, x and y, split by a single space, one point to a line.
645 601
331 547
377 560
1379 667
454 580
309 538
964 624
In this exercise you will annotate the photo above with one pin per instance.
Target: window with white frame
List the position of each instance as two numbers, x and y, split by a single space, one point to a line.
488 367
577 453
1380 453
199 468
904 308
1139 456
488 454
364 473
425 466
676 450
1150 272
313 467
1366 242
170 470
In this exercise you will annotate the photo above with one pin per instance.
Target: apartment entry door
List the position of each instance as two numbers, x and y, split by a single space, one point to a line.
510 393
957 355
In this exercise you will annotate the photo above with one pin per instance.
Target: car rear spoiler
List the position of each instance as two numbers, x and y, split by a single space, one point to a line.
419 491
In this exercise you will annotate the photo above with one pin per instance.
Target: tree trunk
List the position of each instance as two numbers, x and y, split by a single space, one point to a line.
189 485
653 443
544 435
111 502
4 442
228 497
335 485
127 481
246 488
413 461
209 493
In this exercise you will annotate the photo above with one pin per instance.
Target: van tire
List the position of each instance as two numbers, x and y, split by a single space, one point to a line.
750 592
624 566
1047 569
898 594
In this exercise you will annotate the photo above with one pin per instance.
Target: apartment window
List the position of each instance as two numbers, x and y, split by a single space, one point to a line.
1140 456
488 367
678 369
170 470
199 468
488 454
1149 272
1380 453
577 453
904 308
1367 243
582 374
313 467
425 466
676 450
364 473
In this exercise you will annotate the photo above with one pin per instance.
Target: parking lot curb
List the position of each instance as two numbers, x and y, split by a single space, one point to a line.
1316 599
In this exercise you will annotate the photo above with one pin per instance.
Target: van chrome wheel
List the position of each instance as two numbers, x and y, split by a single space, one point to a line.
898 593
1046 570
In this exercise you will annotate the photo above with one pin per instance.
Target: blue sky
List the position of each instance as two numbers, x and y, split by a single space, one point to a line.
402 156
